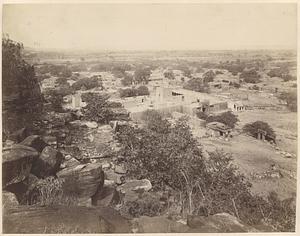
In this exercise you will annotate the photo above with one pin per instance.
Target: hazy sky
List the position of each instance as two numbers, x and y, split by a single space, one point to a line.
152 26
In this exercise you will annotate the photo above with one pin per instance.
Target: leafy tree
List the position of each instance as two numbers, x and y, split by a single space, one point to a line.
196 84
142 75
169 75
142 90
253 128
209 76
227 118
99 108
128 80
20 87
250 76
88 83
291 99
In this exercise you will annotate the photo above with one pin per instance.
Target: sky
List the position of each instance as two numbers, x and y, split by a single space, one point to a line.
153 26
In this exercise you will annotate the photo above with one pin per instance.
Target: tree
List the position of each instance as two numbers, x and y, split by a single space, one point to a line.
142 90
196 84
99 108
169 74
227 118
21 94
208 76
257 126
250 76
291 100
128 80
88 83
142 75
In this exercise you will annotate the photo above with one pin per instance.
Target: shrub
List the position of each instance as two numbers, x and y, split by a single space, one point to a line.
250 76
201 115
209 76
133 92
88 83
291 99
169 74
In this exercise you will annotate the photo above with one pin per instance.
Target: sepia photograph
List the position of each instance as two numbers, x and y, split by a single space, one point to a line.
153 117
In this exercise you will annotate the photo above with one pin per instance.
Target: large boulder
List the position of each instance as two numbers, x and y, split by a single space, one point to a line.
218 223
35 141
63 220
131 189
16 163
84 179
47 163
158 224
107 196
9 200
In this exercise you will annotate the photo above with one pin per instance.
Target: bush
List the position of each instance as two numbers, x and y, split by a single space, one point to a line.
253 128
169 74
227 118
201 115
209 76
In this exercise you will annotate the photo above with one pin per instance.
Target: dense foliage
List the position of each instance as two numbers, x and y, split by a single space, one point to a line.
172 160
133 92
250 76
142 75
169 74
253 128
227 118
291 100
196 84
98 108
88 83
208 76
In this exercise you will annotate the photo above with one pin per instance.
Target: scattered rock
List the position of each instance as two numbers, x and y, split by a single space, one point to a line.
84 179
34 141
16 163
63 220
105 165
9 200
47 163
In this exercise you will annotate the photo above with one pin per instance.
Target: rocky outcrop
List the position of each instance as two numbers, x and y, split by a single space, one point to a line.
47 163
85 179
218 223
19 135
39 220
16 163
34 141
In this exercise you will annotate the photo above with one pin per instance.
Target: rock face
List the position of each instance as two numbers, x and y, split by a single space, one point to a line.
9 200
85 179
218 223
39 220
47 163
34 141
159 224
107 196
16 163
